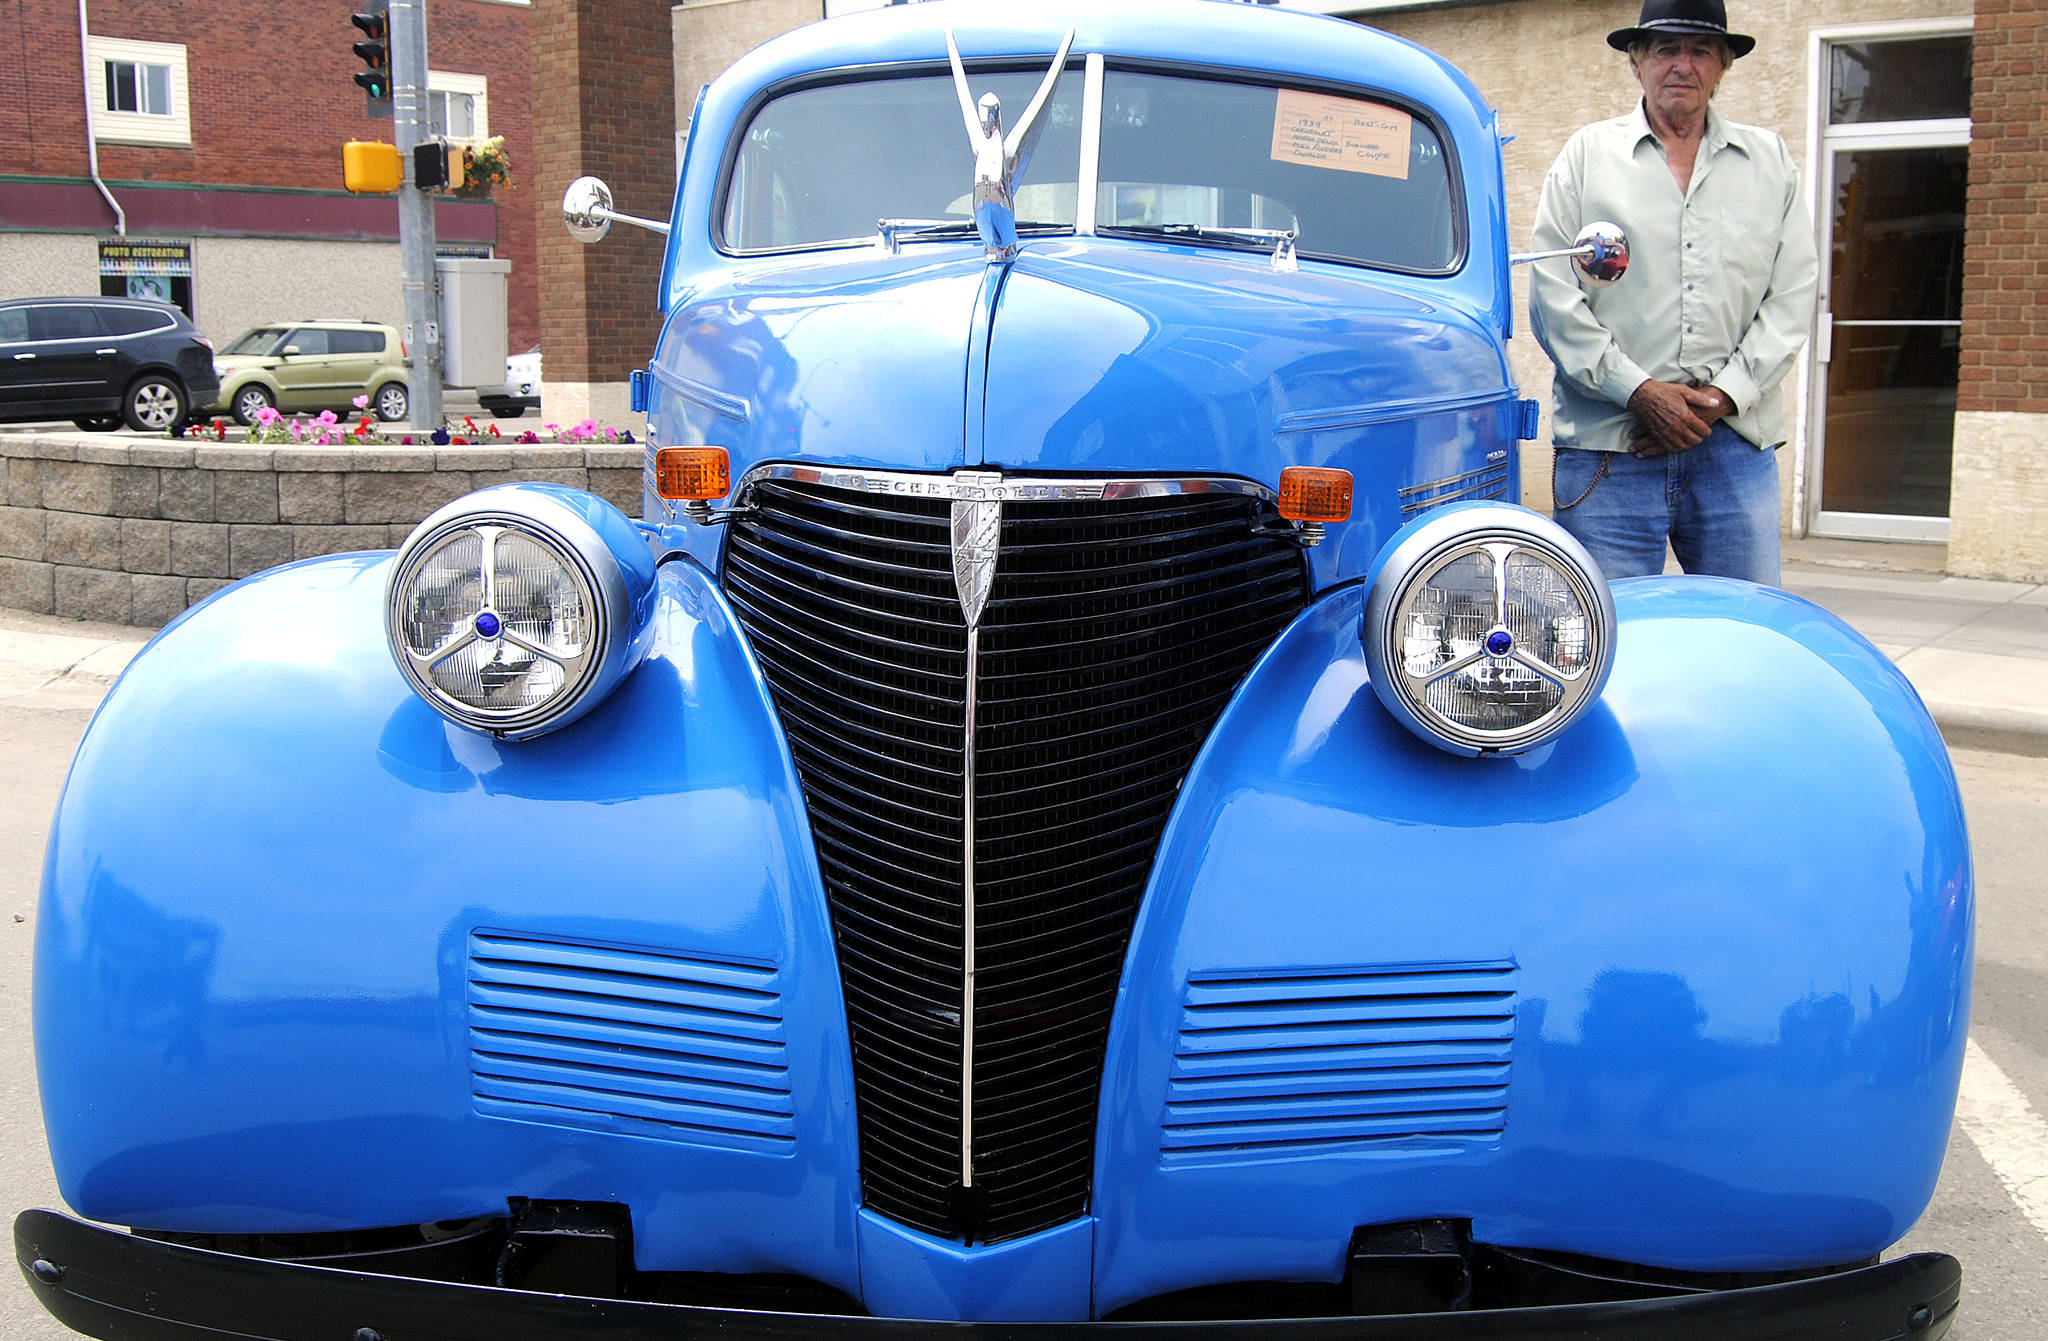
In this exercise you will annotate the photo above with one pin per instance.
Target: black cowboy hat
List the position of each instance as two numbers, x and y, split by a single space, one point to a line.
1669 18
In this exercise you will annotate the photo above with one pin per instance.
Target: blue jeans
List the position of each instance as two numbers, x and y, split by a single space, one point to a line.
1717 504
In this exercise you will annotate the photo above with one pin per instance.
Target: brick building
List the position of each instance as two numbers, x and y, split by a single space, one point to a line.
216 134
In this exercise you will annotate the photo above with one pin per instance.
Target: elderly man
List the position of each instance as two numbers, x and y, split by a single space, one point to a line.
1667 410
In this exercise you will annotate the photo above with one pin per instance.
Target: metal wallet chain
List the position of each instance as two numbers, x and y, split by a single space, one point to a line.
1606 460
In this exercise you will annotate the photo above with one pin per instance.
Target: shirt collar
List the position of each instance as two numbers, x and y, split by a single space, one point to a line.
1715 140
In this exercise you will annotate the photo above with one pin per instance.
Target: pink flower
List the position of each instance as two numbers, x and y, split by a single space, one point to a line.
361 402
327 417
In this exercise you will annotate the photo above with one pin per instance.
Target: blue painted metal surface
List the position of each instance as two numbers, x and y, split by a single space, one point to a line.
1723 926
277 877
1687 987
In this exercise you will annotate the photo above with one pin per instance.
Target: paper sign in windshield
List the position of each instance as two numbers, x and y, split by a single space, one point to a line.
1349 134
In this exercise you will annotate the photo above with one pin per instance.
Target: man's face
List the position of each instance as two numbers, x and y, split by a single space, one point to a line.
1679 75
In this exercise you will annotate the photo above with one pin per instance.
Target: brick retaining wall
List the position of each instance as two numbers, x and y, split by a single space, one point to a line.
132 532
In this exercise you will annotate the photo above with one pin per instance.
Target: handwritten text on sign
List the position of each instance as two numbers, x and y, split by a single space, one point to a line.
1345 133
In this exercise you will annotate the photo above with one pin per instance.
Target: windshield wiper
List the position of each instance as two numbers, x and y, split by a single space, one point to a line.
891 233
1281 240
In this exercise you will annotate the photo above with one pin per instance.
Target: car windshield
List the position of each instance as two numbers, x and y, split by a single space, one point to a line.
262 340
1205 161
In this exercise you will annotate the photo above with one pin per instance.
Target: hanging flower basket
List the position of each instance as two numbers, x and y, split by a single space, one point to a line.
484 168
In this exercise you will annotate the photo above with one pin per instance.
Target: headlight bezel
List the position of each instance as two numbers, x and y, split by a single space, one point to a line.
602 556
1499 531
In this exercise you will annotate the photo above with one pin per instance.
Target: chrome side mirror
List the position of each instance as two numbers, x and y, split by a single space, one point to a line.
587 210
1599 253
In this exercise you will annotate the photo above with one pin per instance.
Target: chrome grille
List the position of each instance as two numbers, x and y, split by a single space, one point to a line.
1115 633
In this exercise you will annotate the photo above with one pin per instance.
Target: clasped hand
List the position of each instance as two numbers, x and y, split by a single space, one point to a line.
1672 416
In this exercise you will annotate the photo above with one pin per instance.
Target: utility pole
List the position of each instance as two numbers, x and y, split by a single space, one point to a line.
410 127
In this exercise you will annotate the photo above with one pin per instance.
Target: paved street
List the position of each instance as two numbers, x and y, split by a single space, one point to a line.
1991 1208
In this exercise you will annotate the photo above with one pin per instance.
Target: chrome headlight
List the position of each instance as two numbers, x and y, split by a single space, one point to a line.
1488 629
518 608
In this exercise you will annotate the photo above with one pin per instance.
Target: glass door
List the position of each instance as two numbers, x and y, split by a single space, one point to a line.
1893 184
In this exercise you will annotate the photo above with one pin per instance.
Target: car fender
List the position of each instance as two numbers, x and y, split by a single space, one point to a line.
299 935
1687 986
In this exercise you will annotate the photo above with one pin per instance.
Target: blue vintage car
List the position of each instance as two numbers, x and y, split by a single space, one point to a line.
1080 802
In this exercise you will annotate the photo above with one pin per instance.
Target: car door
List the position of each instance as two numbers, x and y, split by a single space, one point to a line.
357 355
68 361
17 360
305 377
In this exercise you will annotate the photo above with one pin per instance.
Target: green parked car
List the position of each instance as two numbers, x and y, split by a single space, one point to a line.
313 365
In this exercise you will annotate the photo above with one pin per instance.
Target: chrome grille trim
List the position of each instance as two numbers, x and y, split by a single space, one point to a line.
981 925
1489 481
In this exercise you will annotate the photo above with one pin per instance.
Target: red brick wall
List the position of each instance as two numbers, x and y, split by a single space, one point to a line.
272 99
604 104
2005 269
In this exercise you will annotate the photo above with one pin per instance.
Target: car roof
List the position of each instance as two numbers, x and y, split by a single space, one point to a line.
146 304
1215 33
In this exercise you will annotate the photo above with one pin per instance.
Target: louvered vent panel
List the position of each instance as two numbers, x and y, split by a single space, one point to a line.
1278 1066
637 1041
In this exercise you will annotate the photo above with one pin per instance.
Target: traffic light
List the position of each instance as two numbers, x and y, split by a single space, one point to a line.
375 51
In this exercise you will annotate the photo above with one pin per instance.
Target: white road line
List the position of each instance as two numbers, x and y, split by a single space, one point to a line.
2006 1131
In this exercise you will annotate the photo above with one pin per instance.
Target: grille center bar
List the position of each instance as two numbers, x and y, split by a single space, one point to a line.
977 529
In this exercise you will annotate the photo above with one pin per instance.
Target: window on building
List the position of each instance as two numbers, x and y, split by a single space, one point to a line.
135 87
139 92
458 105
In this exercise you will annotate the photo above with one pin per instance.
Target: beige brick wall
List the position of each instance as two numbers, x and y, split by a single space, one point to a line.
712 34
242 282
37 265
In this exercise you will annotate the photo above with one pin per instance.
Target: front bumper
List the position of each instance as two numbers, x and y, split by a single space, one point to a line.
123 1288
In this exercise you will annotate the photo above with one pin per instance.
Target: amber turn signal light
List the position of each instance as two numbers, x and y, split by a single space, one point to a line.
694 474
1315 494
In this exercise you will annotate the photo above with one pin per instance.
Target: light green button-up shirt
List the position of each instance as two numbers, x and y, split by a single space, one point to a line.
1719 289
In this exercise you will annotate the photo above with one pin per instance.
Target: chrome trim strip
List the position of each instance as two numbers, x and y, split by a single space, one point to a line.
991 487
709 398
1492 468
977 539
967 910
1387 411
1089 176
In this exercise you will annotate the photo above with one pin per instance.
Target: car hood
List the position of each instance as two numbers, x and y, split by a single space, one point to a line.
1085 355
1114 356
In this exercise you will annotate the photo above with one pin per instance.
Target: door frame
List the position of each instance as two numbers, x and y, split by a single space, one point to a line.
1822 142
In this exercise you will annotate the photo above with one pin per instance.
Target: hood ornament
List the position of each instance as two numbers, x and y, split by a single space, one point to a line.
999 160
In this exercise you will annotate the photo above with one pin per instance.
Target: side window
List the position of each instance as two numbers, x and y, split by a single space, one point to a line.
140 94
310 342
13 325
132 320
355 342
70 321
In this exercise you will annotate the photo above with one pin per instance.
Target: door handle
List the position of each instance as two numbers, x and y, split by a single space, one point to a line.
19 357
106 351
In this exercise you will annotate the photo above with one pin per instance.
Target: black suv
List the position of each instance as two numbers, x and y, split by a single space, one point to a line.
100 362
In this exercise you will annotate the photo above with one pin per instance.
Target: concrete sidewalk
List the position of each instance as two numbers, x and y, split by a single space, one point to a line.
1976 651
